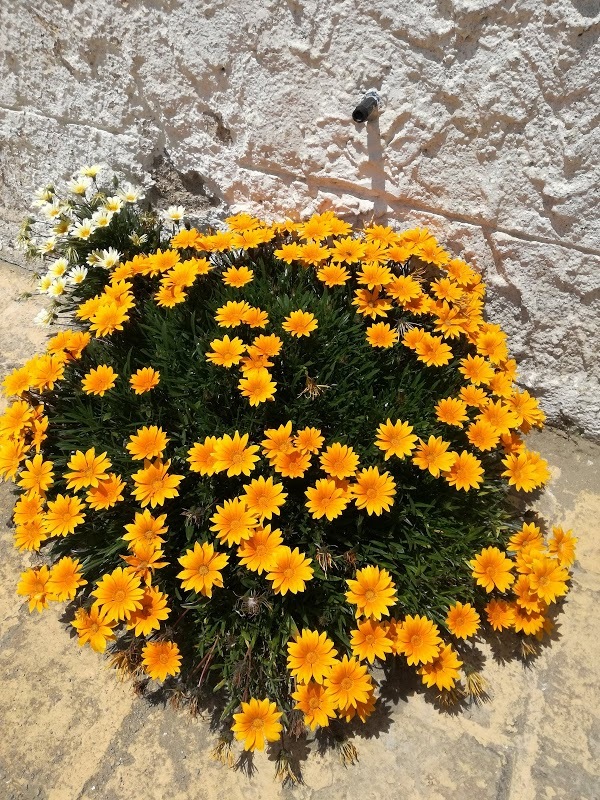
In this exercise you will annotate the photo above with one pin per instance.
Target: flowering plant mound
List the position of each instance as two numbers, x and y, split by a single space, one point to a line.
264 459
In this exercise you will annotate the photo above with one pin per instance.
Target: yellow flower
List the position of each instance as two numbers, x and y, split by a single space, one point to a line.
237 276
256 553
292 464
202 568
443 670
432 351
233 521
462 620
492 569
374 492
88 469
466 472
232 313
371 304
339 460
264 498
308 440
235 455
65 579
395 439
255 317
64 514
257 722
146 529
201 457
107 493
500 614
148 618
300 323
153 484
257 386
144 380
119 593
333 275
348 683
226 352
147 442
289 570
347 250
93 626
418 639
372 592
451 411
562 545
99 381
369 641
161 659
381 335
325 499
310 656
267 345
316 703
548 579
434 456
37 475
34 585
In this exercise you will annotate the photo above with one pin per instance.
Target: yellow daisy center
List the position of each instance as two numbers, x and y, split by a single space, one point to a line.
416 640
369 595
163 658
287 573
203 570
313 702
311 657
369 638
257 724
346 684
261 549
120 596
94 627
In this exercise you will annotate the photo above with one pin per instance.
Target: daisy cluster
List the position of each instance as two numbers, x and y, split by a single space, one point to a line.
411 300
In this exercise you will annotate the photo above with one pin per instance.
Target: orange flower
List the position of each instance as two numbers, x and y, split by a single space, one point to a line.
201 457
443 670
492 569
202 568
153 484
34 585
466 472
264 498
147 442
233 521
148 618
311 655
107 493
500 614
339 460
418 639
289 570
234 455
119 593
395 439
257 722
161 659
381 335
434 455
370 641
374 492
65 579
462 620
326 499
146 529
300 323
348 683
144 380
256 553
257 386
373 592
93 626
99 381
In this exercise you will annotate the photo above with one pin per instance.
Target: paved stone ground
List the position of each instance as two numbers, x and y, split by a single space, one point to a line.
70 731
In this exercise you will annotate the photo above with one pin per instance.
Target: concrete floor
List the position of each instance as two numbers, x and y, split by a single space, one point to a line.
70 731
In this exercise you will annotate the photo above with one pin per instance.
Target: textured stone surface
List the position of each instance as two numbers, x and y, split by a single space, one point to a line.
488 124
75 733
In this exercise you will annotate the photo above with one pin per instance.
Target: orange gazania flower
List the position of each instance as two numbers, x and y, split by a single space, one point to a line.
30 535
373 491
28 508
107 493
148 618
316 702
325 499
434 455
235 455
161 659
462 620
562 546
64 514
548 579
37 475
432 351
466 472
147 442
525 470
34 585
442 671
257 386
289 571
348 683
292 464
94 627
372 592
65 579
119 593
381 335
476 369
226 352
99 381
492 569
146 529
153 484
237 276
233 521
395 439
451 411
88 469
201 456
255 317
500 614
418 639
232 313
369 641
256 553
145 559
371 304
269 346
310 655
257 722
333 275
264 498
482 435
347 250
300 323
309 440
202 568
339 460
144 380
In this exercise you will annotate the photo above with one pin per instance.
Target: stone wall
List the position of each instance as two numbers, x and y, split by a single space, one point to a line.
487 134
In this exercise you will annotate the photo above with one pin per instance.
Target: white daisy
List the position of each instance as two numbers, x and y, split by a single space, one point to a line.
44 318
58 268
79 185
61 227
52 210
43 195
48 246
84 230
102 217
113 204
76 276
129 194
109 258
175 213
45 283
57 287
92 170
